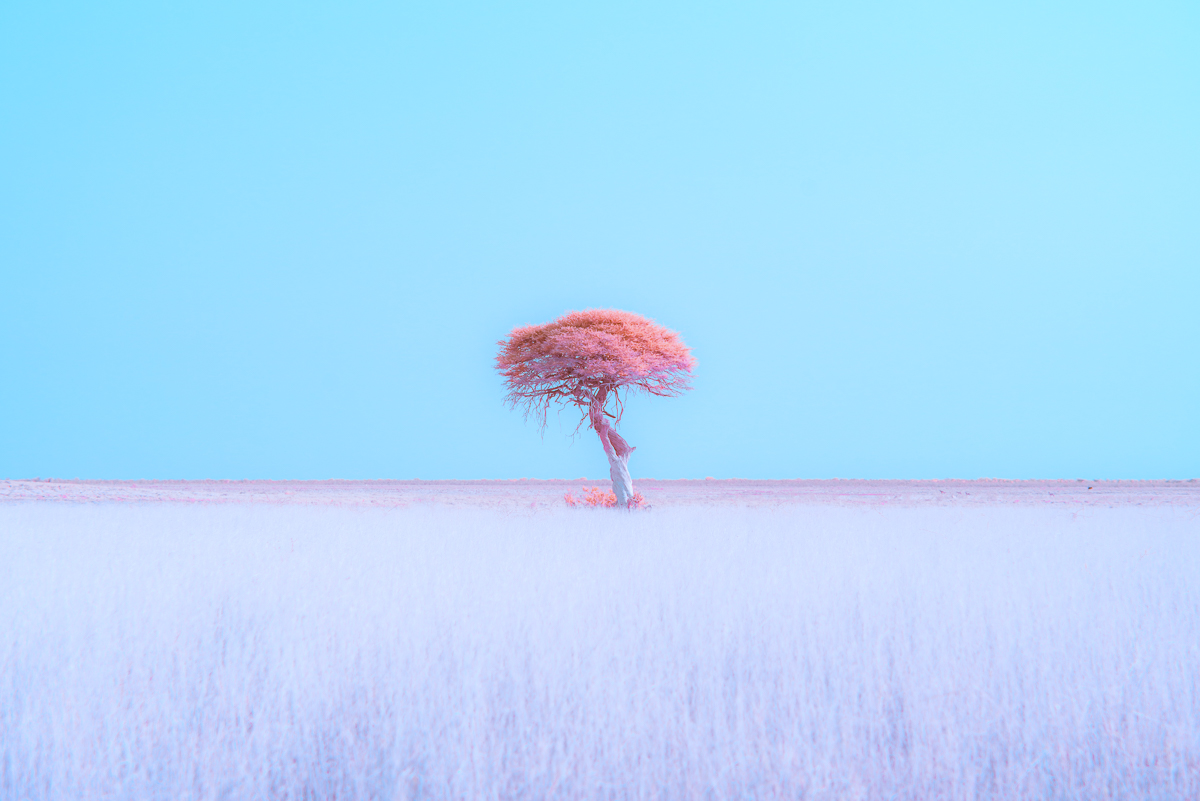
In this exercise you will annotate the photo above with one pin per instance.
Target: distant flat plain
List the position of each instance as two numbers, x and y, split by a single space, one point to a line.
544 493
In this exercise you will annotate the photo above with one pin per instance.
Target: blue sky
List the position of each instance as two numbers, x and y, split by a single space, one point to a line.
903 240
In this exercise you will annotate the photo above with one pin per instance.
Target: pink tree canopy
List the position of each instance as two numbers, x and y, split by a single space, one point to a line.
586 357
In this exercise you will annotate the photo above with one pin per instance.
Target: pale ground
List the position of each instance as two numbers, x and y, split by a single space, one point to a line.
536 493
832 640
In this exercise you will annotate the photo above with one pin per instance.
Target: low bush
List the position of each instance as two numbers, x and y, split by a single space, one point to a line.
598 497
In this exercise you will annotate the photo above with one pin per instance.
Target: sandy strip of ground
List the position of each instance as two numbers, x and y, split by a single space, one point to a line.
537 493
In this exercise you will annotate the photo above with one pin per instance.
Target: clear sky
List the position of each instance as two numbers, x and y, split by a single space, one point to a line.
906 240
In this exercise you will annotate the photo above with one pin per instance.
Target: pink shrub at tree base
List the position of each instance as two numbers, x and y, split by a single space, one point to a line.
587 358
598 497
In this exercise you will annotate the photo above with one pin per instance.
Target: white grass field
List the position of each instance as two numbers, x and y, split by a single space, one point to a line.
260 651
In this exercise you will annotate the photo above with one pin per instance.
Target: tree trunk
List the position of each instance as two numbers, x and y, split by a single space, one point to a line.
617 450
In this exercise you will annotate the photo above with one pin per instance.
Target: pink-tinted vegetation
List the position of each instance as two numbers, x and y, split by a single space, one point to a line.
585 358
598 497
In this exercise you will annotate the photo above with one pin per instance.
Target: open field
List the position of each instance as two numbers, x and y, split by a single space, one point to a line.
447 640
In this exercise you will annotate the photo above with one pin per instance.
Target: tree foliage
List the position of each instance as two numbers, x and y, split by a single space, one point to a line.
587 357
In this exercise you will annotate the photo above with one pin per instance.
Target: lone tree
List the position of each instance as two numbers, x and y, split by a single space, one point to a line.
587 358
